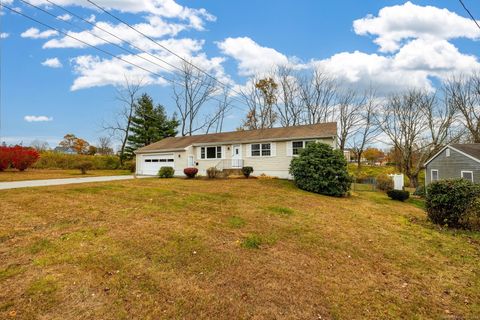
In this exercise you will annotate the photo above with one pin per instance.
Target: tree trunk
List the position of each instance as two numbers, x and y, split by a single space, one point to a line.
413 177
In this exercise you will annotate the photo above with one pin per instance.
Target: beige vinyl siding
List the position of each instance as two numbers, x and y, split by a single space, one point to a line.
276 165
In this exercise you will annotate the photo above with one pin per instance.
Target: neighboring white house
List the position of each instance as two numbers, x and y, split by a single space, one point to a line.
268 151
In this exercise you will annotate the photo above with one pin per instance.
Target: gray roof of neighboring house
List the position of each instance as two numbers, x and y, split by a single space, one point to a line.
470 149
321 130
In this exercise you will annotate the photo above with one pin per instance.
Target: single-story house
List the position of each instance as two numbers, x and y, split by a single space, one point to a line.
268 151
454 161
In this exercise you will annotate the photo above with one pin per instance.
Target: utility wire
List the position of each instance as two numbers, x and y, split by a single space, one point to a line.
97 48
118 38
469 13
162 46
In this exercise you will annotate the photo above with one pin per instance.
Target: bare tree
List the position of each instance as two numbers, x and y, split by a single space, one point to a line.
120 127
40 145
349 104
288 104
104 146
418 126
260 95
318 92
463 94
215 120
191 92
369 127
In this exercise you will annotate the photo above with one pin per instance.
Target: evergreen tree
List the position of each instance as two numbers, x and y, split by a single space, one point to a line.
149 124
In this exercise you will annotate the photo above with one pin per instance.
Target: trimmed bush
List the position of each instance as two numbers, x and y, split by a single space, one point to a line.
212 172
384 183
247 171
190 172
84 166
399 195
166 172
452 202
321 169
5 158
17 157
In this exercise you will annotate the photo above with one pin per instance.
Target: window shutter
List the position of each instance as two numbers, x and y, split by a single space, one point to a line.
199 153
273 147
224 149
249 150
289 149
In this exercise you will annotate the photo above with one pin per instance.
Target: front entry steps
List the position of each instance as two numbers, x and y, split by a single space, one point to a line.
232 172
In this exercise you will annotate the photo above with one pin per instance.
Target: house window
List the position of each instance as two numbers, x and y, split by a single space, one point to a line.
434 175
468 175
447 152
261 149
297 146
211 152
266 151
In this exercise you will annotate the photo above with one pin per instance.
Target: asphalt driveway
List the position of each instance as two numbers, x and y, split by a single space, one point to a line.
58 182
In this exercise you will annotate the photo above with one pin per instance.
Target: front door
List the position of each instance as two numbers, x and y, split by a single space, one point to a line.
236 156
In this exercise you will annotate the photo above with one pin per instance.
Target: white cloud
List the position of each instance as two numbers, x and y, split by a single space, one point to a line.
252 58
162 8
401 22
93 71
65 17
52 63
34 33
155 28
4 35
37 118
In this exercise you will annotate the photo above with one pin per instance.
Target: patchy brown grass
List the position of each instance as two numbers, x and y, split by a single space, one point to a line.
227 249
40 174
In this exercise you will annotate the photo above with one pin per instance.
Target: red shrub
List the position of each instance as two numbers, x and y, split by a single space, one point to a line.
190 172
5 157
23 158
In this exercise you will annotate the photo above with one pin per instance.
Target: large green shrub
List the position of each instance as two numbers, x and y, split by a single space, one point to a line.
321 169
166 172
452 202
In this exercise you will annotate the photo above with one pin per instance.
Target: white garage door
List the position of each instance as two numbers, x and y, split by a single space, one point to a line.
151 164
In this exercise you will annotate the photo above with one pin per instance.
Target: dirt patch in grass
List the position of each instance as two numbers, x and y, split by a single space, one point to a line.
41 174
228 249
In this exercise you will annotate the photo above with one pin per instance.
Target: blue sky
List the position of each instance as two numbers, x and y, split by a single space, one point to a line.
51 87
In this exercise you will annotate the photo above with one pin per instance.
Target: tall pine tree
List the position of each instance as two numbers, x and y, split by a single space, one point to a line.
149 124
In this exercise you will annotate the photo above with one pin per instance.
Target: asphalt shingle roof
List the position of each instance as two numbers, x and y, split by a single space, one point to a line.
321 130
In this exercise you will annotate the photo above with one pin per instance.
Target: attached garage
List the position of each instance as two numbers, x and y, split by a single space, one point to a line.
151 164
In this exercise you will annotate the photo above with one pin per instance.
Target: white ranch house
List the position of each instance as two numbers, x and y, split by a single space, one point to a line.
268 151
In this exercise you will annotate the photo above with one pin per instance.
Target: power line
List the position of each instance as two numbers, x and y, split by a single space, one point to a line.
162 46
97 48
469 13
118 38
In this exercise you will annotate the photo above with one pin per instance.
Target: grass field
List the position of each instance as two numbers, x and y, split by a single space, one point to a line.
228 249
40 174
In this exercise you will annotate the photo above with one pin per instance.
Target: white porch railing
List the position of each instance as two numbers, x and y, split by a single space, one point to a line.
229 164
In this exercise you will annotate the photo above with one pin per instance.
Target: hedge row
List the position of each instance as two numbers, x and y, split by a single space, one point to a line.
55 160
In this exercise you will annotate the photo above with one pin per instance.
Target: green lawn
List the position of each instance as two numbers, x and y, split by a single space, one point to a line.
228 249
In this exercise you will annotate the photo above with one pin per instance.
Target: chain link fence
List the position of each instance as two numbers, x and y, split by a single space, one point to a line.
364 184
